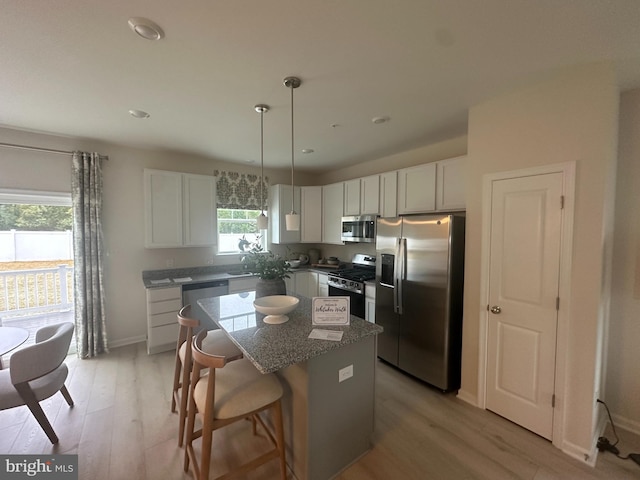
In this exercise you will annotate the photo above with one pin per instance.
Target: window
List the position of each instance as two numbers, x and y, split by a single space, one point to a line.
237 230
239 199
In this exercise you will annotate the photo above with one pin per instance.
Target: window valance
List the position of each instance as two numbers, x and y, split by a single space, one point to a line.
240 191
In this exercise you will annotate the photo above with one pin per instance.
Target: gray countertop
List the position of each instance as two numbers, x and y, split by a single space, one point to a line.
184 276
274 347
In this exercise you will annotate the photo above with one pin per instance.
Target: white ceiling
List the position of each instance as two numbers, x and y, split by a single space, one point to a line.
73 67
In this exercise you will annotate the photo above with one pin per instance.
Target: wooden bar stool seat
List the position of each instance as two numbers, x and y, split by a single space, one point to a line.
216 340
232 391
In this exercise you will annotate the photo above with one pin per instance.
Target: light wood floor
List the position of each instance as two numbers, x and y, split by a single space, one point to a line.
121 428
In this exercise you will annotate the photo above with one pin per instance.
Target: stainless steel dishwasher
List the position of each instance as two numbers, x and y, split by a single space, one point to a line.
193 292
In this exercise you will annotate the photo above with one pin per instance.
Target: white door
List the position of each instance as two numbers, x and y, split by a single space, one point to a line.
526 218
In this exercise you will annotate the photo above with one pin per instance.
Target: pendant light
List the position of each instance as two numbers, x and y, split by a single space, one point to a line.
262 221
292 219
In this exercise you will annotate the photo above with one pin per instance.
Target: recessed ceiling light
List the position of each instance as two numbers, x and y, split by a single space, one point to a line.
139 113
146 28
379 120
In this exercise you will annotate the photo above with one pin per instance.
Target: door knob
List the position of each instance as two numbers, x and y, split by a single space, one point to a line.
496 309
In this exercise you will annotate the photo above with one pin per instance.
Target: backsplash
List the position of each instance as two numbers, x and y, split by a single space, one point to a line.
343 252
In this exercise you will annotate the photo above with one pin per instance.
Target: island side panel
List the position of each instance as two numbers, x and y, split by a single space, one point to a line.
341 414
295 401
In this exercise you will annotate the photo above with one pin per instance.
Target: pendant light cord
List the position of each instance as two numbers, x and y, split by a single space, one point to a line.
261 162
292 153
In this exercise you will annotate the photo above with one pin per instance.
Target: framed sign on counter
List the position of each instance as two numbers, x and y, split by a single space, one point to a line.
330 311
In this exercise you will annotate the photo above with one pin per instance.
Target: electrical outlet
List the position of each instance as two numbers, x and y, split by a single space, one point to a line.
345 373
169 262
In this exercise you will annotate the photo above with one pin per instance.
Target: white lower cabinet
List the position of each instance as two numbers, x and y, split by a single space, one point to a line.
163 305
307 284
323 287
370 303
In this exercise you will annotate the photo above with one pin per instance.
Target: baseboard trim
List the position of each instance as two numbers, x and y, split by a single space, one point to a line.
467 397
580 454
632 426
127 341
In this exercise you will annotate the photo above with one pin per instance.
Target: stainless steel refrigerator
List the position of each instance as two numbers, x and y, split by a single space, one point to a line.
419 289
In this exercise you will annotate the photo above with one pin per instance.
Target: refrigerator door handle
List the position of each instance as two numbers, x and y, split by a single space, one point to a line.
396 269
400 273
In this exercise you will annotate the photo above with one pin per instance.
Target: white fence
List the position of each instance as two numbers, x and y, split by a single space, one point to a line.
25 292
20 246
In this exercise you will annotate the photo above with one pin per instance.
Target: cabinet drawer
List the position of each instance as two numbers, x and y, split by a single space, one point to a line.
166 306
167 334
159 294
160 319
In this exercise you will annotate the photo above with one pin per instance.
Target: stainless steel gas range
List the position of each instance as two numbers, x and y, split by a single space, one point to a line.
349 282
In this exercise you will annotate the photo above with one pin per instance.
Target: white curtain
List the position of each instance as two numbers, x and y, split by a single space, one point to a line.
86 194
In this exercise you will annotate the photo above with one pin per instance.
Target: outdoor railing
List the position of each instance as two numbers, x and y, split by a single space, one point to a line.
31 291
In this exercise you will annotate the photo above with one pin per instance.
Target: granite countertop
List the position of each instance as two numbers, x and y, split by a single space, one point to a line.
274 347
184 276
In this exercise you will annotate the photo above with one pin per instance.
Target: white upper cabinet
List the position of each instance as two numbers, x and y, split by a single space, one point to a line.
163 208
389 194
362 196
352 197
332 208
199 210
370 195
417 189
279 205
450 186
311 214
179 209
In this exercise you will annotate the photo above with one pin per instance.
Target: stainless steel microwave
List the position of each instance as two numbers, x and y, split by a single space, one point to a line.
360 229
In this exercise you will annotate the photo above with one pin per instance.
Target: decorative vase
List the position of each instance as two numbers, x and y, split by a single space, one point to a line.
275 286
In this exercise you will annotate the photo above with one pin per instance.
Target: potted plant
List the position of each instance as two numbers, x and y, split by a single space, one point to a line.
270 268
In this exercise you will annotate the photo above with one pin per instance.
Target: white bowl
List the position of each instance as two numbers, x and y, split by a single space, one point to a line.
293 263
275 307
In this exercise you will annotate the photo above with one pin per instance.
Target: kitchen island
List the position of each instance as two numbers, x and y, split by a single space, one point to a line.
328 422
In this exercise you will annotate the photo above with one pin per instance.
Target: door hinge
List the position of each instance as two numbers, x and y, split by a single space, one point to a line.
561 202
553 401
557 303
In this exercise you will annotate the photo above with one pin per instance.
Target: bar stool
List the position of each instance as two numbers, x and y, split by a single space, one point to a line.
232 391
216 340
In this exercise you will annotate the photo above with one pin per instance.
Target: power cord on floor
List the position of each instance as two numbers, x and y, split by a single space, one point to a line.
604 445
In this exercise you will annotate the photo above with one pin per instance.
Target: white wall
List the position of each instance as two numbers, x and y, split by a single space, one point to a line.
622 392
572 116
123 216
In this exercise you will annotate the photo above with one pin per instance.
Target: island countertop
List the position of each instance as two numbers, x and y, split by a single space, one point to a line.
274 347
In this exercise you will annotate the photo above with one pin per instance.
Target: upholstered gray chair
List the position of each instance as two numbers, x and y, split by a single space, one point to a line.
37 372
